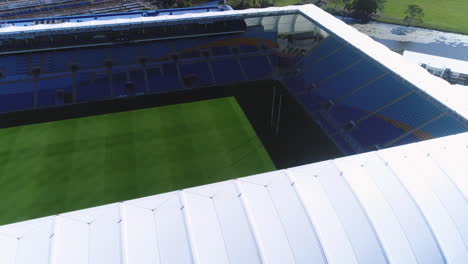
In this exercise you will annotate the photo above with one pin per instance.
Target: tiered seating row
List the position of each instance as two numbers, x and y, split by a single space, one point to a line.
372 97
324 48
413 110
443 126
329 64
16 96
103 72
349 80
375 131
370 103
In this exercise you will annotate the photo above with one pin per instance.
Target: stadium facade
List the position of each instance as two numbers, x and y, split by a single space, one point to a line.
406 204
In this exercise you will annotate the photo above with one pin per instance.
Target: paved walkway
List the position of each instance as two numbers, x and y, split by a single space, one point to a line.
433 42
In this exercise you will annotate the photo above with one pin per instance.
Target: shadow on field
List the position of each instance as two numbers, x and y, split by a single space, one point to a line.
296 141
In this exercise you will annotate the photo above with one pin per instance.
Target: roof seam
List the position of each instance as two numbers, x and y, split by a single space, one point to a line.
423 216
220 227
337 216
155 222
436 195
437 163
187 227
281 222
290 175
123 234
394 214
249 220
364 212
417 128
52 239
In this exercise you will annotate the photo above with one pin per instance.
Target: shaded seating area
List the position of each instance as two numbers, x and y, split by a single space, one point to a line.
16 96
226 71
196 75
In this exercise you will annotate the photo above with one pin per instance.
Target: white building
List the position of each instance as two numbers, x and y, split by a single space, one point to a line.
451 70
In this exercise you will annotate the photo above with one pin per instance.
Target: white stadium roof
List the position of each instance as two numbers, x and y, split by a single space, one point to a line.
406 204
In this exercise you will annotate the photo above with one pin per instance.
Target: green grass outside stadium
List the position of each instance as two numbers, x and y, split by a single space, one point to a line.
447 15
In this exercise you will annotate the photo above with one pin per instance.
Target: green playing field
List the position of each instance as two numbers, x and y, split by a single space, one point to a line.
66 165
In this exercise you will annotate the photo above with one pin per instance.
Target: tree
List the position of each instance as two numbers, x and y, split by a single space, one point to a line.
364 9
344 3
414 14
171 3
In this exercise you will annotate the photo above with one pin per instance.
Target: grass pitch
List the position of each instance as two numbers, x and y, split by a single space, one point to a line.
66 165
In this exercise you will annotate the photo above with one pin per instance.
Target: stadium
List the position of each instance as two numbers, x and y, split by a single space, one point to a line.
357 155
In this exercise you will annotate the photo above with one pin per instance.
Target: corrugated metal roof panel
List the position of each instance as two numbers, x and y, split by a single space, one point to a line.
388 229
399 205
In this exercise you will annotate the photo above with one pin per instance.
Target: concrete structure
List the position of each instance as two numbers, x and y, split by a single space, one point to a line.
406 204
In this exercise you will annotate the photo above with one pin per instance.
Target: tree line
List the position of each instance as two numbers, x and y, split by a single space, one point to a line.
362 9
365 9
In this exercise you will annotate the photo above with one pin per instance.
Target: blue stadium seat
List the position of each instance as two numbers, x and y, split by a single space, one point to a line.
375 131
191 53
343 113
93 87
168 81
16 96
157 50
22 65
123 55
259 34
221 50
309 100
137 77
90 58
377 94
248 48
16 102
60 60
47 63
411 138
413 110
186 45
323 48
343 145
325 123
346 81
318 70
46 97
295 84
226 71
119 80
48 88
274 60
8 65
256 67
446 125
196 74
169 69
